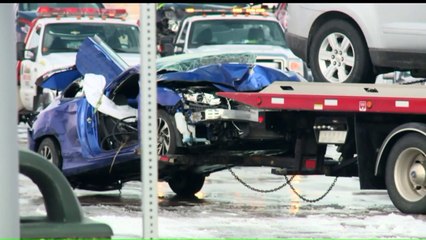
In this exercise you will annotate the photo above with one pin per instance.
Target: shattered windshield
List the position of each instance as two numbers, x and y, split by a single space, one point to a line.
186 62
67 37
236 31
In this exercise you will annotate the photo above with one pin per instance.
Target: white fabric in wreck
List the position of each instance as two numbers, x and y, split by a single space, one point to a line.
93 86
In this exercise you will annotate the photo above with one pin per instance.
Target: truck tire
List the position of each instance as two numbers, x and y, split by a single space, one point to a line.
331 62
406 174
166 142
49 149
186 183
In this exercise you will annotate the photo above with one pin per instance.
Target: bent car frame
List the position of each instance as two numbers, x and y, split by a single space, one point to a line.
90 131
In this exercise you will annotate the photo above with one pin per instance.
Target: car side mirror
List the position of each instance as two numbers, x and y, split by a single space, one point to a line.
20 48
30 54
179 48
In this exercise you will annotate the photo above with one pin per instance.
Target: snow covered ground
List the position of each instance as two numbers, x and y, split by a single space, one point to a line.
225 208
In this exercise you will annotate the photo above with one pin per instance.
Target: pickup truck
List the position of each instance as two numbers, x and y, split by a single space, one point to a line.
244 30
53 41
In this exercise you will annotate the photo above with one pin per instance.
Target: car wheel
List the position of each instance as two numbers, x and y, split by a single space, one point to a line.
186 183
49 149
338 54
166 139
406 174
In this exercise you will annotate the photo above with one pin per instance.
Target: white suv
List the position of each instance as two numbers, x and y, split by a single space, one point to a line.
351 43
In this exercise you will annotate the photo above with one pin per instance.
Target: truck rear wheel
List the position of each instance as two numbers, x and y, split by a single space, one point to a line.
186 183
406 174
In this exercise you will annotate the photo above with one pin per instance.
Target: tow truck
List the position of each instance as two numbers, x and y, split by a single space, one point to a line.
53 41
379 131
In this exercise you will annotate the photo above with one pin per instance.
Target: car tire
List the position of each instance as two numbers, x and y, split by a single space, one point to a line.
166 141
186 183
331 62
50 150
405 169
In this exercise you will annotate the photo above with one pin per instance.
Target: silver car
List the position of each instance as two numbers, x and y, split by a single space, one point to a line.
353 43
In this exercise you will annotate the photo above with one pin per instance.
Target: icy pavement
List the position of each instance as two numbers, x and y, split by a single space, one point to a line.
227 209
224 208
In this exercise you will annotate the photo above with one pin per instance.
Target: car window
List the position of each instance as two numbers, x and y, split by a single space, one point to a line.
75 89
261 32
183 33
68 37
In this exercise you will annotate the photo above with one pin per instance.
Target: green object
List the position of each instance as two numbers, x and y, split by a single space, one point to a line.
159 5
64 214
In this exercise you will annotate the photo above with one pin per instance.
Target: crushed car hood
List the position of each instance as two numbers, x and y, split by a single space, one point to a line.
230 76
95 56
223 69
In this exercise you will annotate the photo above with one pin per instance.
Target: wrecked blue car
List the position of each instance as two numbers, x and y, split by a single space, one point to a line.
90 131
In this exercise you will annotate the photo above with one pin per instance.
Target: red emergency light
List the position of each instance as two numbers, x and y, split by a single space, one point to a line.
45 11
114 13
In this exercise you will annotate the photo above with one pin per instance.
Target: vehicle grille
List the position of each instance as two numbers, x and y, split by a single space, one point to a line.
278 63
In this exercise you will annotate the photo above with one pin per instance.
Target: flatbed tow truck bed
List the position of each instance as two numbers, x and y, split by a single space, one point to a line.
410 99
380 131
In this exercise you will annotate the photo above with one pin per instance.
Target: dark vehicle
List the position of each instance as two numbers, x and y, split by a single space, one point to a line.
169 16
91 133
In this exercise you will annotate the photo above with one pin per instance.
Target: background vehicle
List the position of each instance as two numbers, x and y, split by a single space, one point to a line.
170 15
250 30
98 107
53 42
281 14
353 43
27 12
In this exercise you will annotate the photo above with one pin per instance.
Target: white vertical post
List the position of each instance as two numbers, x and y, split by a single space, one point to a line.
9 170
148 120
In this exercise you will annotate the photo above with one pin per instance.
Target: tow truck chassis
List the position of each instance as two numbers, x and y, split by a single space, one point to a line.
380 131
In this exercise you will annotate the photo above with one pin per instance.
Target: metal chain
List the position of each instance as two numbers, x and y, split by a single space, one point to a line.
260 190
310 200
288 181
